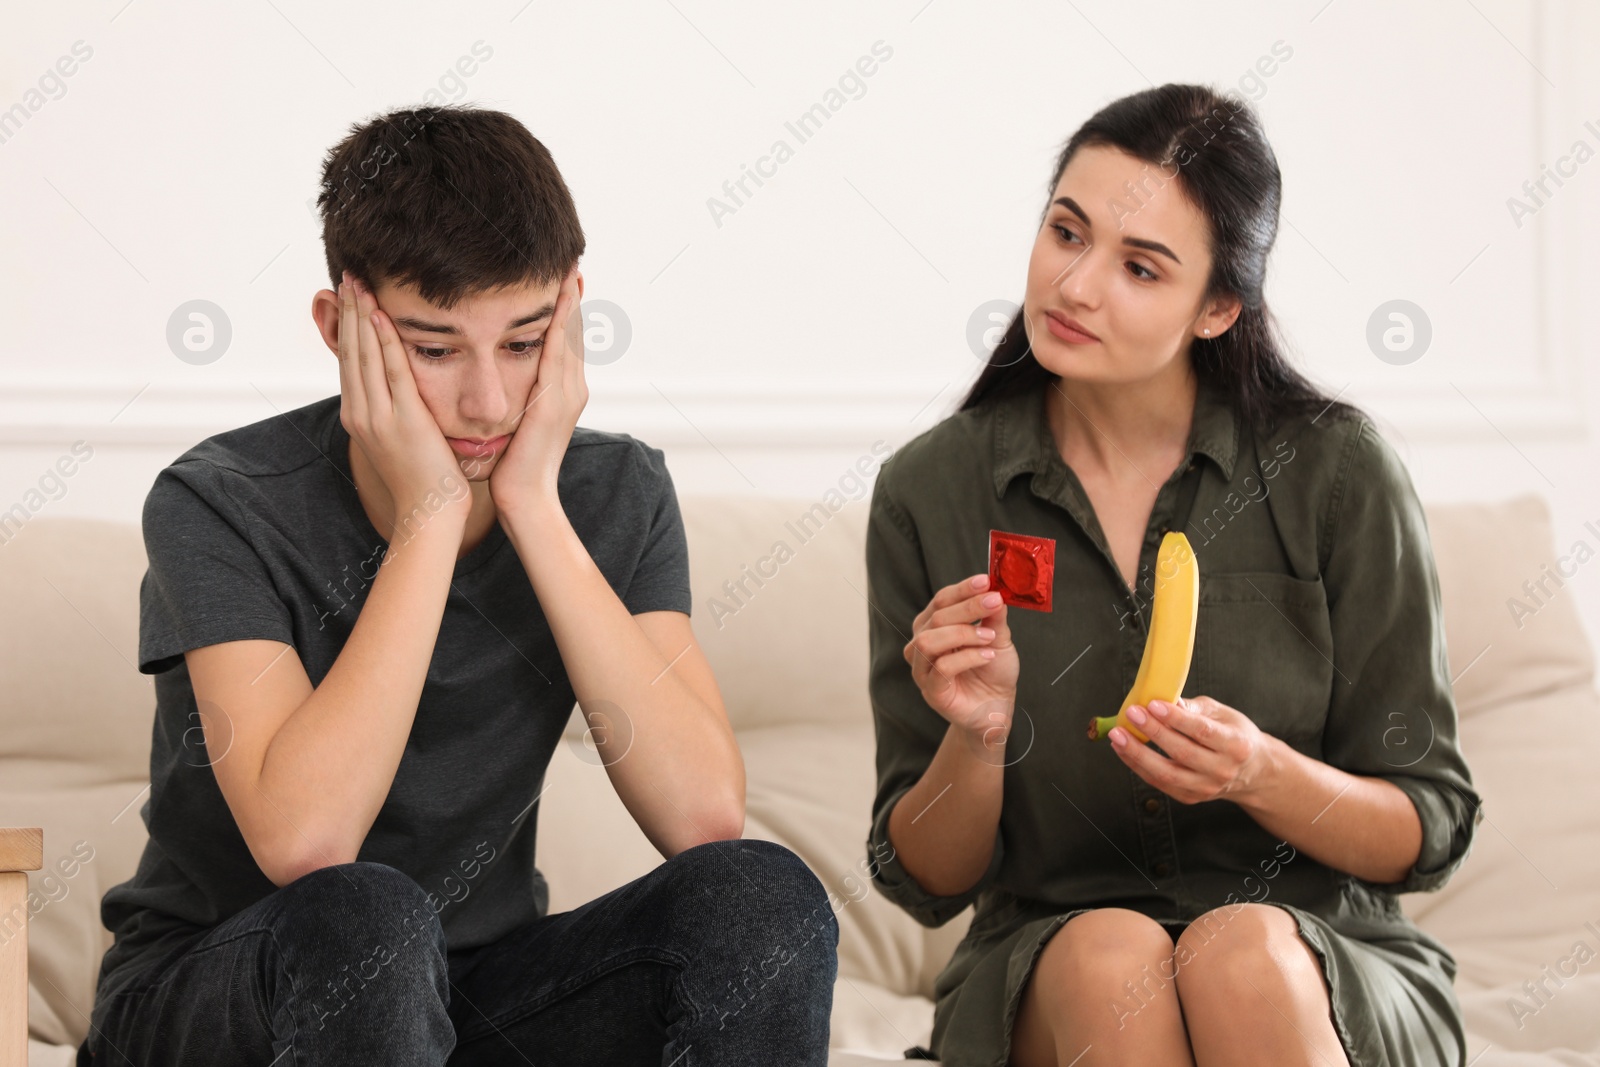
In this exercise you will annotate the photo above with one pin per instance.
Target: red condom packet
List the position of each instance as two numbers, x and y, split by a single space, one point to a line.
1022 569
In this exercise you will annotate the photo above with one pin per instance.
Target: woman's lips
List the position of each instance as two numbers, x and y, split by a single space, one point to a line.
478 449
1066 333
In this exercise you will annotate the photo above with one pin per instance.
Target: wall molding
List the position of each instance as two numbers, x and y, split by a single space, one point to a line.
718 415
715 414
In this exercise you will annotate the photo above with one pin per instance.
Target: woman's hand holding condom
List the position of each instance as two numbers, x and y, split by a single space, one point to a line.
967 673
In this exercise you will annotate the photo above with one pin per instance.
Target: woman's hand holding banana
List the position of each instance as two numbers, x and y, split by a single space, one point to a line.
1212 751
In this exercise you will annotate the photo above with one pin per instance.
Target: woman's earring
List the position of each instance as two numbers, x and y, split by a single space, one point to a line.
1208 331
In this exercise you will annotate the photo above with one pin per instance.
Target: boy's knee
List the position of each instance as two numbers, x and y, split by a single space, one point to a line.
760 893
355 905
352 926
751 866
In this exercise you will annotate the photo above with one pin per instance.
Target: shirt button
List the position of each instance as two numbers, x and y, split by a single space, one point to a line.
1161 870
1152 805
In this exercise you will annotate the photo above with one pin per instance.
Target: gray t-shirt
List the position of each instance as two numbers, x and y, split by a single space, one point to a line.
259 533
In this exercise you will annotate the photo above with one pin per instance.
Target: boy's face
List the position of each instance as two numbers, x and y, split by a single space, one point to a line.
474 365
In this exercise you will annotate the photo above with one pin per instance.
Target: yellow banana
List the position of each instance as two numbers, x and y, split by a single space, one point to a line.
1169 647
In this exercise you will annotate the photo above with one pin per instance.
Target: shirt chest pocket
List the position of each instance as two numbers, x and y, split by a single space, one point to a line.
1263 645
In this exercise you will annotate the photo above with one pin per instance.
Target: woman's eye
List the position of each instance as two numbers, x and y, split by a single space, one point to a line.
1148 275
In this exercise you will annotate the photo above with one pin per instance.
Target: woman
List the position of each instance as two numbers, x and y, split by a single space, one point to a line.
1227 892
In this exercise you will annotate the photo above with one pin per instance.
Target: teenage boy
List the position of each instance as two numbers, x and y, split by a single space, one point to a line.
368 620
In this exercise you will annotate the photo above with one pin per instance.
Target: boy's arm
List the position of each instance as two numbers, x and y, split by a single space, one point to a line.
667 746
305 771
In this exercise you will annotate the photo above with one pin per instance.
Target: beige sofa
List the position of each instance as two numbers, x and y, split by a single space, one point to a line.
791 658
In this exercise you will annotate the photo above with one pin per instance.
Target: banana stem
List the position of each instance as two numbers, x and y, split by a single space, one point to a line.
1100 726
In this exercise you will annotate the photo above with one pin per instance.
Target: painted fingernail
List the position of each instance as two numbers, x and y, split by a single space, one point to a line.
1137 714
1158 709
979 581
984 632
1118 738
992 600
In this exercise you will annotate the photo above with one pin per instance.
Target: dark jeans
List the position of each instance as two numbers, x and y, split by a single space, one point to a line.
724 954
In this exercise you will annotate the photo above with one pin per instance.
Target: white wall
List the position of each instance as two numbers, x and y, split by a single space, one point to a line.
830 309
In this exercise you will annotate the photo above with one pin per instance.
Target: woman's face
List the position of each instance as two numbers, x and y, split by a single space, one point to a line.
1125 255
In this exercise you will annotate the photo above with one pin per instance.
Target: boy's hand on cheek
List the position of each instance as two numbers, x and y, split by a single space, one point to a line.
382 410
525 475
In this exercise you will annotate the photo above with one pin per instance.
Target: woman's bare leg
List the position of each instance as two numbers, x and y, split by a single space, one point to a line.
1253 992
1102 992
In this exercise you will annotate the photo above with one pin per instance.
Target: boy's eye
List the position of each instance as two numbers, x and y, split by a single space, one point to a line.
520 349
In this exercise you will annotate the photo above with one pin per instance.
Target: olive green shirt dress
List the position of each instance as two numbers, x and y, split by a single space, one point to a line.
1319 619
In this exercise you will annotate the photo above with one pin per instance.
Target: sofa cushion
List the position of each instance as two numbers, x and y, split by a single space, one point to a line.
780 606
74 745
79 712
1508 637
789 651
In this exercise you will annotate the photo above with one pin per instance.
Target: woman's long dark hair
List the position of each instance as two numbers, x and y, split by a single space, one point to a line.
1228 170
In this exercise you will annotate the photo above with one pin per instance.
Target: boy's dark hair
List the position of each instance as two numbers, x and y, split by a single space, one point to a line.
456 200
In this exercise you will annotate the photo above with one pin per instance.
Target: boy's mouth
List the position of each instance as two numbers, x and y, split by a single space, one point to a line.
467 446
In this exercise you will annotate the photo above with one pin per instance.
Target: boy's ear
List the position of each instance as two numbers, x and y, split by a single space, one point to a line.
325 314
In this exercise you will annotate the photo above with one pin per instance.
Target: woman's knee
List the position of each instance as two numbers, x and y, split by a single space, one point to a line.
1229 946
1105 956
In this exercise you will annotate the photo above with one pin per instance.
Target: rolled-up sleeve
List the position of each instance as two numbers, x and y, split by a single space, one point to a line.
1392 714
908 731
